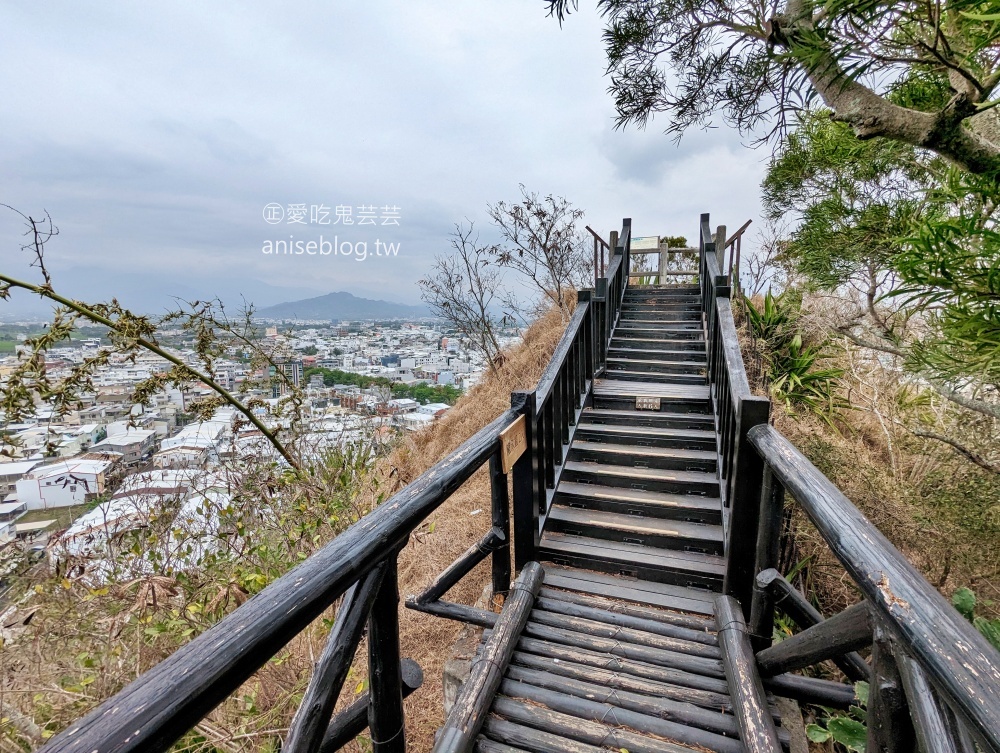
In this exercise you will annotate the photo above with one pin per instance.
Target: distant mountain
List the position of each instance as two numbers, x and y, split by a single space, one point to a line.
342 305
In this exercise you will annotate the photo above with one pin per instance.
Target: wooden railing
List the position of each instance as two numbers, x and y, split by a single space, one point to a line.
737 410
934 680
553 408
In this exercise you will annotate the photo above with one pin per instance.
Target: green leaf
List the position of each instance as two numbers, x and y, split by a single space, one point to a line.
990 629
817 734
848 732
964 600
861 692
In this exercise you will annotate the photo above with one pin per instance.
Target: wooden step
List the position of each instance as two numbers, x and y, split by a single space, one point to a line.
623 360
646 376
633 456
621 349
645 436
659 332
642 592
644 479
658 343
694 508
692 316
690 569
658 533
663 419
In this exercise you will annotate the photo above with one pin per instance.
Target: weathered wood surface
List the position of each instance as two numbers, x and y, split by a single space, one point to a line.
309 725
958 660
477 694
805 615
173 696
755 722
890 729
385 709
846 631
931 723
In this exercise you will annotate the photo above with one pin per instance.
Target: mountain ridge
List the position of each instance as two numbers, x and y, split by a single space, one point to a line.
340 305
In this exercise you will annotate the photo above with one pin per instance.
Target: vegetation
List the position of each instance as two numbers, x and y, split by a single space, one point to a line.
423 393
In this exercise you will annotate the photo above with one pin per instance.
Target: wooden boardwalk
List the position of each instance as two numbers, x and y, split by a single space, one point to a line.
620 647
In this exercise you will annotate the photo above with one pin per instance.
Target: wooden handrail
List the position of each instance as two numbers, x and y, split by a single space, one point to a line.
959 661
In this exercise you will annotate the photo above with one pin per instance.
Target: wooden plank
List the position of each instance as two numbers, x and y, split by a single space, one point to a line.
683 531
640 496
750 706
663 475
930 719
617 632
625 620
609 678
385 708
690 681
708 565
571 728
890 729
646 431
476 695
641 452
600 712
651 389
846 631
681 712
513 443
698 625
640 591
485 745
535 740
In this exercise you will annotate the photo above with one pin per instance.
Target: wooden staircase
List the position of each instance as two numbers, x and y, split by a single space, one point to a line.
638 496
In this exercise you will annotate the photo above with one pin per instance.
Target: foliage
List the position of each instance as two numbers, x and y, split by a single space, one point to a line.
792 371
755 63
849 730
424 393
964 600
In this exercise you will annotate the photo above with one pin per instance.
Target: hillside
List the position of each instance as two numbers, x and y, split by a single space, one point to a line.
342 305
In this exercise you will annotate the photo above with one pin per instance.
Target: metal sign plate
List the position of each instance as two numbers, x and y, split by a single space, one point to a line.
513 443
647 403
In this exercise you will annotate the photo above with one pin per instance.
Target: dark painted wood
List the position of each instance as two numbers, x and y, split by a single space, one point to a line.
957 659
583 708
772 507
476 695
890 729
537 740
500 508
846 631
931 724
812 690
451 611
385 709
601 734
753 716
524 482
664 595
492 541
485 745
644 611
353 720
305 735
174 695
805 615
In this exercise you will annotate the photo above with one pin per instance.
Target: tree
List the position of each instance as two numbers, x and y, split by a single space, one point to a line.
754 63
465 290
543 243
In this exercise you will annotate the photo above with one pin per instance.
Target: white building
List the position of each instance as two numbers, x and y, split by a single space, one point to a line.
69 482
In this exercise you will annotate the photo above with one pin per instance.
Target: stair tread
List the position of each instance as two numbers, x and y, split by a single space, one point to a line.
645 592
636 524
646 452
660 356
666 415
664 378
650 361
667 559
651 389
641 496
641 474
647 431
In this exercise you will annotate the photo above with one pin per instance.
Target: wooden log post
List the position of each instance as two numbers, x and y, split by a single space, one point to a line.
805 615
931 722
526 474
476 695
772 508
720 250
500 504
746 478
385 709
846 631
889 727
753 716
310 723
661 269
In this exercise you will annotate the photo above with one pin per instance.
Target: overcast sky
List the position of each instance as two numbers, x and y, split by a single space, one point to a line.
156 136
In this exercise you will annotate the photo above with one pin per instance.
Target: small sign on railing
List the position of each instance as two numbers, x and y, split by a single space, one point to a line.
647 403
513 443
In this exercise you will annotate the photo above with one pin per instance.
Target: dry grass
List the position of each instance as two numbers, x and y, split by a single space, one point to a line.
456 524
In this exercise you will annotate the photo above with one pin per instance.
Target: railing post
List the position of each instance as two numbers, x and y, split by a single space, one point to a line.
526 473
589 358
720 248
600 324
772 508
890 728
385 707
744 486
500 503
